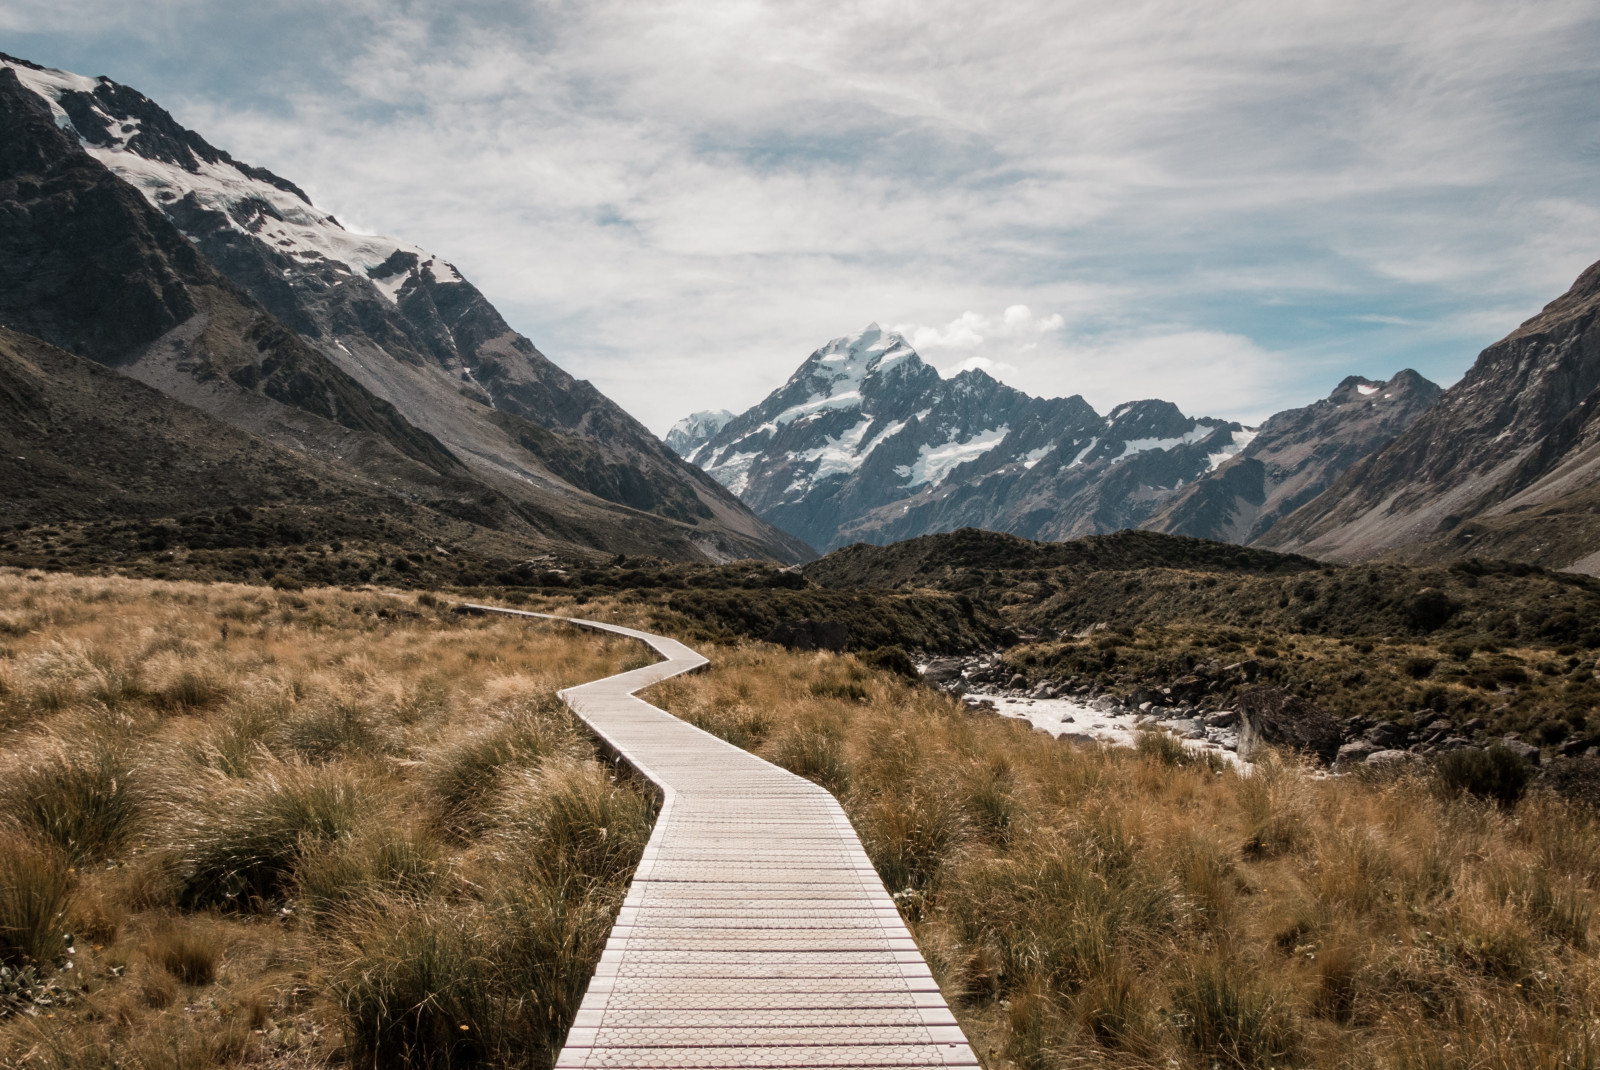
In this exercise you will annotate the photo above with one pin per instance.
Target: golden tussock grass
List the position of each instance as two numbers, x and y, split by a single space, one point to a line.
1103 907
246 825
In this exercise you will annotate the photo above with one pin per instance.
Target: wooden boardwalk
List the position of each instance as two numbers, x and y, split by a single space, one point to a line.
755 933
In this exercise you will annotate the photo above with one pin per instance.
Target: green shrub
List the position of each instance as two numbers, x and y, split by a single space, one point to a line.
1421 668
1496 773
893 659
1162 747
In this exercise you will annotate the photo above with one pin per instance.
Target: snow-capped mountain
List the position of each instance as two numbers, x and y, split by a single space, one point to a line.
865 442
696 429
402 324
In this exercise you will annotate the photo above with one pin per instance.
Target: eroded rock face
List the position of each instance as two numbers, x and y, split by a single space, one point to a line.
1275 716
130 240
1294 456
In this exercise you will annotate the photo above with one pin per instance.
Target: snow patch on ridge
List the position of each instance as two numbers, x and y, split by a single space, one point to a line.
837 455
734 473
838 370
1140 445
1241 439
1032 457
935 462
693 431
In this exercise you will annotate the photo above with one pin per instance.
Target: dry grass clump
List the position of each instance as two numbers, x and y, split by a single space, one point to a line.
84 799
1088 906
296 828
35 891
496 973
236 842
188 953
572 822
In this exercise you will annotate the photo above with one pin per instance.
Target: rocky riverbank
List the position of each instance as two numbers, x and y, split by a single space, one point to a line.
1219 705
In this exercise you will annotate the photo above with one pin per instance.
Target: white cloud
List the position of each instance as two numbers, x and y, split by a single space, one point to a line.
1017 326
681 200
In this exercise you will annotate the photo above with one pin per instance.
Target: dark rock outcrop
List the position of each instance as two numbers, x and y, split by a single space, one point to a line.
1273 716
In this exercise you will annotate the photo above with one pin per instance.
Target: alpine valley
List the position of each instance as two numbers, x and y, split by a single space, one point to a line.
250 316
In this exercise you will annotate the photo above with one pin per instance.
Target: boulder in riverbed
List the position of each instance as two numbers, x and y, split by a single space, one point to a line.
1275 716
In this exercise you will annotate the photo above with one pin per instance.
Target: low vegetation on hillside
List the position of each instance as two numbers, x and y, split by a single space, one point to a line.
1548 694
1142 579
239 824
1121 908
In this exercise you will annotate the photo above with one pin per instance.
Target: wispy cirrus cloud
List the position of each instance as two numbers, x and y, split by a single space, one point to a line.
1230 205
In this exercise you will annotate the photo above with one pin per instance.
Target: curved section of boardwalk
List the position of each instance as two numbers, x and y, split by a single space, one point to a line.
755 933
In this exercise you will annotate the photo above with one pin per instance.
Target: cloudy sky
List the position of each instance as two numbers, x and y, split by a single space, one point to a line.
1229 205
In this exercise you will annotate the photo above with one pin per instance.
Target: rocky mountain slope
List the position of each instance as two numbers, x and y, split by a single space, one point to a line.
128 239
93 461
1294 456
1507 463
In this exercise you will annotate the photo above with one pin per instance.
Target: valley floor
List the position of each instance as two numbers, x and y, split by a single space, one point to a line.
306 828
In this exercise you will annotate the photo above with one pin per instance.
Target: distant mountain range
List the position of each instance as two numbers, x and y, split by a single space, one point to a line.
130 241
1506 464
865 442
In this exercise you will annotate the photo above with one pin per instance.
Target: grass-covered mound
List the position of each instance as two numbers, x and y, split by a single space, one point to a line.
1122 908
240 825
